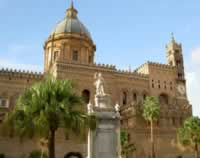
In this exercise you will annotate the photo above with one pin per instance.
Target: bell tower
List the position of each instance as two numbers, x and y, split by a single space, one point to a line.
175 57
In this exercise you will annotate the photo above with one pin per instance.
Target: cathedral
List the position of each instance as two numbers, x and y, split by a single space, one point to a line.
69 53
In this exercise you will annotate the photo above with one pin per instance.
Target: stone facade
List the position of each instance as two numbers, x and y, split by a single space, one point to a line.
69 54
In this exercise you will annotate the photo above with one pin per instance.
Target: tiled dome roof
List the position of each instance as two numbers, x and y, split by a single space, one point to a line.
71 24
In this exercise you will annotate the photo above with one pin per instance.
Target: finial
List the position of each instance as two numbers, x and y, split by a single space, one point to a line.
172 37
72 4
71 12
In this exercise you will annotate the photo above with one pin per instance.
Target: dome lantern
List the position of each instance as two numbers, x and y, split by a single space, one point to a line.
71 12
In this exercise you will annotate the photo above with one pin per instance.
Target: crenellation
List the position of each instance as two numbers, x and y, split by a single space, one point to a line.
140 67
107 66
161 65
20 73
144 66
132 74
97 67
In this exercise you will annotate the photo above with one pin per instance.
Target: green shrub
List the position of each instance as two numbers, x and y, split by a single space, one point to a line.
37 154
2 155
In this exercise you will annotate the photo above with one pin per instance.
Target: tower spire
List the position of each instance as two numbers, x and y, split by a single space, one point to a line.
172 37
72 4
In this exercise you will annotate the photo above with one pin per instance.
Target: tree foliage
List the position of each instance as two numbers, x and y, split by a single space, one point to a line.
123 137
189 134
151 109
45 107
37 154
126 146
151 113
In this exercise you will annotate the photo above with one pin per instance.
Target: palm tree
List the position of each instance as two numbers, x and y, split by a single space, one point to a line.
45 107
151 114
125 144
189 134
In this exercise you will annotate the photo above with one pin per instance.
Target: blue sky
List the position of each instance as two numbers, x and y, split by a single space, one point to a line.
126 32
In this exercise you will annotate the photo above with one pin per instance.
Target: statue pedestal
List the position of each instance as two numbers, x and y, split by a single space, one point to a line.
102 101
104 142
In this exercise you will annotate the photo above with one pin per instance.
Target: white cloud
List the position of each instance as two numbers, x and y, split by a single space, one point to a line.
20 57
195 56
20 52
193 80
193 89
12 65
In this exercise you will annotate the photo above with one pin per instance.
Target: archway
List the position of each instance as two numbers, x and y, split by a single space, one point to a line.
86 96
124 98
134 96
144 95
163 98
73 155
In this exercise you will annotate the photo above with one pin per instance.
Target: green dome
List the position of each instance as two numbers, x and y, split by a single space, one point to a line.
71 24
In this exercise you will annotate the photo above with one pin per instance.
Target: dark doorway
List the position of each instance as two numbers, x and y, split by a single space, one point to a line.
73 155
163 98
124 101
86 96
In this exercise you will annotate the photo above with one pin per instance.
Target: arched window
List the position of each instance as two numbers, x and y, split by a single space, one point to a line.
178 62
144 96
124 98
75 55
173 121
163 98
3 102
171 86
55 55
129 137
86 96
159 84
134 96
90 59
73 155
165 86
152 83
180 75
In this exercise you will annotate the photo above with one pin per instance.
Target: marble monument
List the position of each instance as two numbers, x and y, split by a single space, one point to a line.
104 141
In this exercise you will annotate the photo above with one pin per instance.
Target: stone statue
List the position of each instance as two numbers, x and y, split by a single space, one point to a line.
89 107
117 107
107 130
99 83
